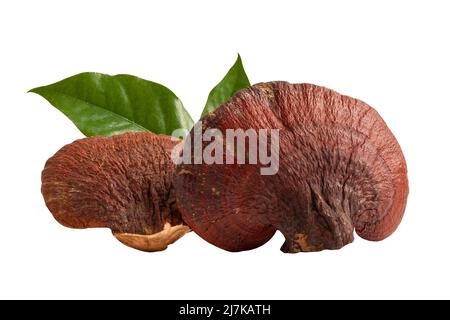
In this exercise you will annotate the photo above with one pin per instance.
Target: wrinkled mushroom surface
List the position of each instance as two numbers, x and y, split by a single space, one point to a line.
340 169
122 182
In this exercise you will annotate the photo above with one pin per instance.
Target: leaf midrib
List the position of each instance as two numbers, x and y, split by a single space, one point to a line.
93 105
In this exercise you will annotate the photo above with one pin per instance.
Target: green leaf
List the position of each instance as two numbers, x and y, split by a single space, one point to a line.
235 80
104 105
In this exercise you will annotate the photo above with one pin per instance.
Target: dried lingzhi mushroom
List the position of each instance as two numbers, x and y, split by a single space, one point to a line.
340 169
122 182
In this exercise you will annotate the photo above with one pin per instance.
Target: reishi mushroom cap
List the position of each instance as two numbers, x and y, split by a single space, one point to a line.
340 169
122 182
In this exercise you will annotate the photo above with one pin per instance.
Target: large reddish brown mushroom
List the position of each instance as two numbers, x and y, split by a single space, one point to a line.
340 169
122 182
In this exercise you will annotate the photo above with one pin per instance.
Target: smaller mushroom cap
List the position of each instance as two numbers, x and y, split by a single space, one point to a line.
122 182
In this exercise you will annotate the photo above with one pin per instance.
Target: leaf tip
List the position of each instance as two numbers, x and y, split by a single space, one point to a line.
239 59
37 90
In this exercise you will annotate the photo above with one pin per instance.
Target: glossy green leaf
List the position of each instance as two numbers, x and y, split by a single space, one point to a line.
103 105
235 80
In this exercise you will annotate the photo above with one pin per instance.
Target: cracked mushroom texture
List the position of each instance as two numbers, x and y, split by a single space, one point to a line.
340 169
122 182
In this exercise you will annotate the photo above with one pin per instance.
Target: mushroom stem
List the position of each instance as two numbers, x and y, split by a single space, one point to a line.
153 242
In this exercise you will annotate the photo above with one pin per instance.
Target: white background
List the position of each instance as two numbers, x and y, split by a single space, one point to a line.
392 54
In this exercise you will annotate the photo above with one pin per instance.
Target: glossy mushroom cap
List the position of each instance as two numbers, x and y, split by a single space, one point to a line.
340 169
122 182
